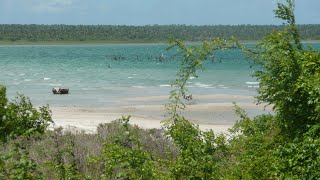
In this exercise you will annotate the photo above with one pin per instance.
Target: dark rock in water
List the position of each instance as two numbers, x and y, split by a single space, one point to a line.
60 91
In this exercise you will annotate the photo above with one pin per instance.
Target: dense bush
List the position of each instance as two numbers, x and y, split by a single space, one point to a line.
285 145
20 118
62 154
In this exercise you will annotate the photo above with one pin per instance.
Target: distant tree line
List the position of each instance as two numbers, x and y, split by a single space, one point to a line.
15 32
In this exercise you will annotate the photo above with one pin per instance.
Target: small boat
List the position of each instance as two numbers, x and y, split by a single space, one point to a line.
60 91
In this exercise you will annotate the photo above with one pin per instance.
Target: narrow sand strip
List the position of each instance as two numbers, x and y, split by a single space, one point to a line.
88 121
225 97
213 111
216 116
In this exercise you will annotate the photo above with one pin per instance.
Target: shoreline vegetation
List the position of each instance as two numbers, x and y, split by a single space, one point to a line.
20 34
18 43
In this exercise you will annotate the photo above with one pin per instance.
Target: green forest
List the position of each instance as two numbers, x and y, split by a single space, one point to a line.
283 145
152 33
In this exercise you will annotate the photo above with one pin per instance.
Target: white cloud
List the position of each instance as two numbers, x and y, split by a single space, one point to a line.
52 6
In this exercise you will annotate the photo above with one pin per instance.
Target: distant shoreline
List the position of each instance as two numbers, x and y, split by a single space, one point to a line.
113 42
76 42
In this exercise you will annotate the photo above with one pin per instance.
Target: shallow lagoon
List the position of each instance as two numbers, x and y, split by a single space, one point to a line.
101 75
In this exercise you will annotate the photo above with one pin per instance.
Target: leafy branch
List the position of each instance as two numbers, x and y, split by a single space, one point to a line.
192 61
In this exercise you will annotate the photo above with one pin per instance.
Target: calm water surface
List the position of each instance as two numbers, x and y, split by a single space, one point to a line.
100 75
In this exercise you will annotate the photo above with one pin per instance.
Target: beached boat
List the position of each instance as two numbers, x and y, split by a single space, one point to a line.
60 91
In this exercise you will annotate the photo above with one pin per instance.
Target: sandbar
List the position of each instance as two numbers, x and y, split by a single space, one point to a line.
213 111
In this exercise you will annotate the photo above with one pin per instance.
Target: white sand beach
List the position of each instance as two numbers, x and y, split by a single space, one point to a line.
203 110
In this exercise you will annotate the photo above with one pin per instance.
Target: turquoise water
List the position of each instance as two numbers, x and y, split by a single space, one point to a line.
100 75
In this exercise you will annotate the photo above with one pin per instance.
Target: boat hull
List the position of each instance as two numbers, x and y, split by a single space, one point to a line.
60 91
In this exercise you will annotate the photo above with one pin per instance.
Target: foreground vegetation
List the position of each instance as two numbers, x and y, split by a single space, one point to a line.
281 146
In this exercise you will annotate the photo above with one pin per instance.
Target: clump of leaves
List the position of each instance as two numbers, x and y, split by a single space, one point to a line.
284 145
16 164
289 76
124 156
20 118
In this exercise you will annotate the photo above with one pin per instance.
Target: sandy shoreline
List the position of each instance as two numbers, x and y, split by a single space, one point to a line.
205 110
88 119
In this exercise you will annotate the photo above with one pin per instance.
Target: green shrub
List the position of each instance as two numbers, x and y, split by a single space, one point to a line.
20 118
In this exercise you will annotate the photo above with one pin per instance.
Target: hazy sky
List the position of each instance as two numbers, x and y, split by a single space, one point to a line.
143 12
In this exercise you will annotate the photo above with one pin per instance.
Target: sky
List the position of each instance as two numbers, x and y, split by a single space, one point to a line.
150 12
